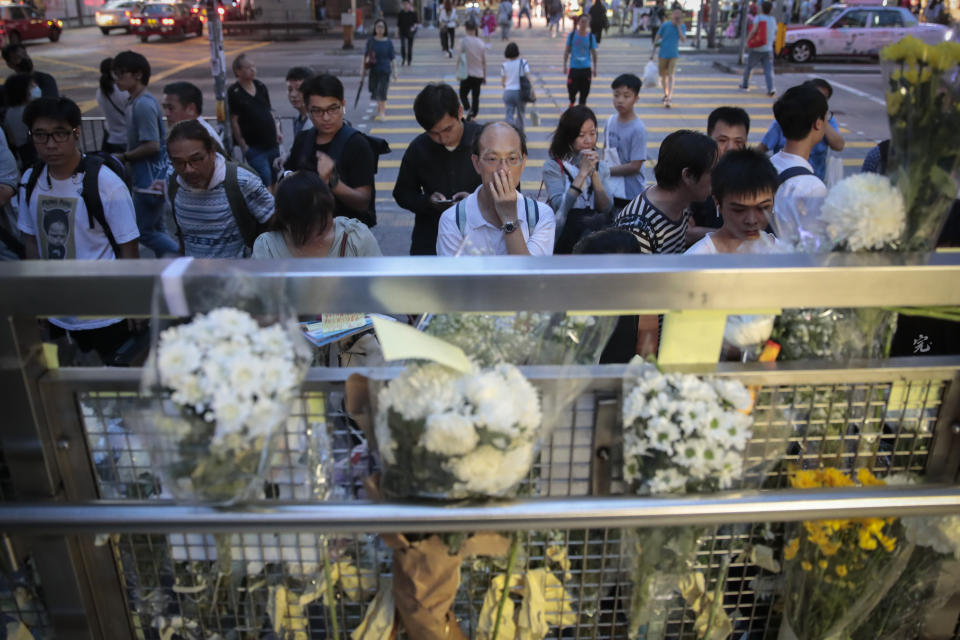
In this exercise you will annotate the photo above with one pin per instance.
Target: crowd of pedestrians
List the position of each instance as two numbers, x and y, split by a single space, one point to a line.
460 179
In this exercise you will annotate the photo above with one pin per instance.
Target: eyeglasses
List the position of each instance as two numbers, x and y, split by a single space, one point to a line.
193 162
58 135
328 112
510 161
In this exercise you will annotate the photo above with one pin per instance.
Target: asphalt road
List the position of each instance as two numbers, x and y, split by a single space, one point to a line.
701 86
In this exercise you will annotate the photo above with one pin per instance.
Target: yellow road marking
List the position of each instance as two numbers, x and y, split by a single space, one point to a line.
82 67
206 59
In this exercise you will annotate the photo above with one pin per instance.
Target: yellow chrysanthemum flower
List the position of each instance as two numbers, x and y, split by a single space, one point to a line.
867 479
949 50
790 551
836 478
909 49
806 566
829 548
841 570
889 543
867 541
822 564
894 102
805 480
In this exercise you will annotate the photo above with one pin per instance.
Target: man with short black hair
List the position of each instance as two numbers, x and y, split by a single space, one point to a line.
659 216
335 150
495 219
295 78
729 128
802 115
253 121
437 168
17 58
184 101
61 221
146 151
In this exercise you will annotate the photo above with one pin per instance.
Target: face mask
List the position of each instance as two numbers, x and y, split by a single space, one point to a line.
25 65
35 92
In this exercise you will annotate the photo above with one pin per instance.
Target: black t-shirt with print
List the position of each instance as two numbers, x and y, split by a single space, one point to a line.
254 115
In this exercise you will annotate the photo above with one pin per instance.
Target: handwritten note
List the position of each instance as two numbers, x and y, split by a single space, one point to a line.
401 342
692 337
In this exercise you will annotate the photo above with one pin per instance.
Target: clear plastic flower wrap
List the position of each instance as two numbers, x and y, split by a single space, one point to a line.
838 571
220 381
684 434
451 435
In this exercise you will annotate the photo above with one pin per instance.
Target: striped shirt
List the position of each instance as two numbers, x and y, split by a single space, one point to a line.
656 232
204 217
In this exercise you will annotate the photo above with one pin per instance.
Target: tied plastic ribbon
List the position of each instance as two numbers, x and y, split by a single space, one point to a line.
171 279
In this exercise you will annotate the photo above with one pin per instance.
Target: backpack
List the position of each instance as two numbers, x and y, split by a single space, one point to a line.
90 190
533 214
793 172
303 157
250 228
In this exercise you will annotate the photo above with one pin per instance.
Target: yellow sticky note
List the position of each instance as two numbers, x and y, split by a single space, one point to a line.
401 341
50 355
691 337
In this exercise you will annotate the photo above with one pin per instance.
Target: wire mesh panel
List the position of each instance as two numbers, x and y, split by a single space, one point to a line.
255 585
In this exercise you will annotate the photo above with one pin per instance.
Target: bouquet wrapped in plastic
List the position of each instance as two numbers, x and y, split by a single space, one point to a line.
220 381
837 571
923 103
681 434
864 212
470 432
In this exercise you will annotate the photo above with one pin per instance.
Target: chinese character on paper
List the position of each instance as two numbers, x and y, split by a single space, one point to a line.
921 344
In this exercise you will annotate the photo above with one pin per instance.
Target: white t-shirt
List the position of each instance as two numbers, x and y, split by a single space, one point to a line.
744 331
482 238
511 71
796 188
57 217
114 114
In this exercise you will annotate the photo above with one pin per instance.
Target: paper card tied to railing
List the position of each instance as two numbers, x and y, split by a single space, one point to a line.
402 342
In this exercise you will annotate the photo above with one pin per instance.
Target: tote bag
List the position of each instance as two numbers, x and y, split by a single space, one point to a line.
618 184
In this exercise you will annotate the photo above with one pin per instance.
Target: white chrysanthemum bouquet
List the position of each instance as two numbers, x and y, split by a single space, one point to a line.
443 434
681 434
864 212
221 385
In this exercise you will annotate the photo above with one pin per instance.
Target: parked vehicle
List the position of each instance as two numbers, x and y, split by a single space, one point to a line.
116 15
19 22
843 30
168 20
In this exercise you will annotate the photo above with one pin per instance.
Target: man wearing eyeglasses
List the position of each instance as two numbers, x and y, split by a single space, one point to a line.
496 219
64 214
220 208
335 150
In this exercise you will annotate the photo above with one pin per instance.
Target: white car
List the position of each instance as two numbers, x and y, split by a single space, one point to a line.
856 31
116 15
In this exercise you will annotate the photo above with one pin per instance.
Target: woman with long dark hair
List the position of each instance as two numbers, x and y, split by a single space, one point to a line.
576 179
304 226
380 59
113 104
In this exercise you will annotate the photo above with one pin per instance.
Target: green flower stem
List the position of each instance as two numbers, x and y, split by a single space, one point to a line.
511 560
937 313
331 595
717 596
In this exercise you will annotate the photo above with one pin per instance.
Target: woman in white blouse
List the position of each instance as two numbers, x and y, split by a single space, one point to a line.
113 103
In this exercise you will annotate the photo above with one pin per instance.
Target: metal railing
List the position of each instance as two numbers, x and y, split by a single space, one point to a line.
69 467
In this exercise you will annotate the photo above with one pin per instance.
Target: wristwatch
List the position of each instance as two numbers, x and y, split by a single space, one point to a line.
334 179
510 226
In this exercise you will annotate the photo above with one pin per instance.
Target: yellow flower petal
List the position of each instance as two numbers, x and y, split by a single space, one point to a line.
867 479
806 566
822 564
841 570
790 551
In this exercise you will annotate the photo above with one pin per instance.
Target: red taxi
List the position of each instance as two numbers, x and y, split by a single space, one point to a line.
168 20
19 22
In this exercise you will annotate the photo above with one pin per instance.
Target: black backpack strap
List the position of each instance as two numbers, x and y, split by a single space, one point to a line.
93 201
884 156
793 172
31 182
249 226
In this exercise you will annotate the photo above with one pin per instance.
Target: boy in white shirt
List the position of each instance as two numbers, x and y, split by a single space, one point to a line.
802 114
62 218
496 219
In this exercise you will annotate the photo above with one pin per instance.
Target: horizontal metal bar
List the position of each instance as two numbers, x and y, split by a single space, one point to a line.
504 283
549 513
607 376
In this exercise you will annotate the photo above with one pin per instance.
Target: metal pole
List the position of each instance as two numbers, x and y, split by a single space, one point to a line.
545 513
218 67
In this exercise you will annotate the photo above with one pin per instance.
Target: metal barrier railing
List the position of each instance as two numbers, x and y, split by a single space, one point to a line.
73 469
